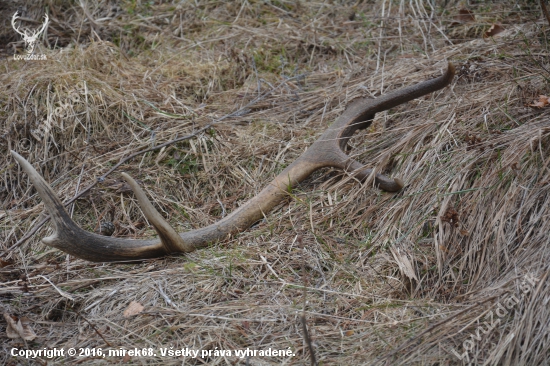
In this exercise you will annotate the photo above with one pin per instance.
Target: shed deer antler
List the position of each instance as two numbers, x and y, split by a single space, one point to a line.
327 151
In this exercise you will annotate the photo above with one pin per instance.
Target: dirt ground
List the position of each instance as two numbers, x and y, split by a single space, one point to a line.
451 270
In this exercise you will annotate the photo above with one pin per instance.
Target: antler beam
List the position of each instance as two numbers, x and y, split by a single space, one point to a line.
327 151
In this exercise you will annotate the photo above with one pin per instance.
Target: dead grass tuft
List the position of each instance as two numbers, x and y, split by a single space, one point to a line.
454 266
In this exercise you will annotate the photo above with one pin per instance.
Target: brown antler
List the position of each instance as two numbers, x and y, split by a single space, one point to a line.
327 151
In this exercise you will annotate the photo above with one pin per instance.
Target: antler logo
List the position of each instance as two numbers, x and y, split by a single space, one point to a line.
29 36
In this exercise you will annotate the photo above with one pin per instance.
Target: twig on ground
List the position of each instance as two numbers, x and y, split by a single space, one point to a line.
93 327
308 341
303 320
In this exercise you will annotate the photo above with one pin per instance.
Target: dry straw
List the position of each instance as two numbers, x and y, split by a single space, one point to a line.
404 278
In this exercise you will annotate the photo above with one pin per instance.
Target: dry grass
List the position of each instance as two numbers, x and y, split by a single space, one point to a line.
390 278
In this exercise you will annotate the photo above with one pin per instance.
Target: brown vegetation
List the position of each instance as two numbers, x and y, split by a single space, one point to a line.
381 278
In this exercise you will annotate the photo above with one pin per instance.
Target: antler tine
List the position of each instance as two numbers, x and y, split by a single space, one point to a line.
359 115
71 239
327 151
169 237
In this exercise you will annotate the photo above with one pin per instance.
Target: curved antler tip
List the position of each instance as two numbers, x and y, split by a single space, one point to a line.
126 177
15 155
399 182
27 167
451 69
171 241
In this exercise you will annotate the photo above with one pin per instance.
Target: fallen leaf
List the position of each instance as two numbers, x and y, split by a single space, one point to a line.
543 102
133 309
20 329
463 16
4 263
12 326
494 30
349 333
126 358
405 265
